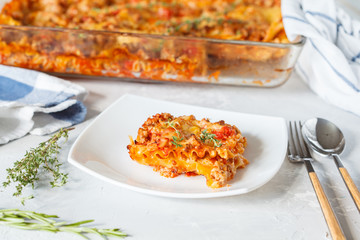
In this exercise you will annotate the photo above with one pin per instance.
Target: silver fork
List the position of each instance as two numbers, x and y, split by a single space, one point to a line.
299 153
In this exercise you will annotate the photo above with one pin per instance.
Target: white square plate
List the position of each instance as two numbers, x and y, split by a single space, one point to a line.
101 151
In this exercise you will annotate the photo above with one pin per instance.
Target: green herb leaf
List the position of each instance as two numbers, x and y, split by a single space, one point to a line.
176 141
96 9
159 22
171 124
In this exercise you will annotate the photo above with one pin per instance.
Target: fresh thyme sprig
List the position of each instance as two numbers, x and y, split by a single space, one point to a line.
175 140
210 136
29 220
171 124
26 171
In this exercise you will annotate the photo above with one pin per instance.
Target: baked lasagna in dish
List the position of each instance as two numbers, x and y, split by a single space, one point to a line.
172 40
254 20
185 145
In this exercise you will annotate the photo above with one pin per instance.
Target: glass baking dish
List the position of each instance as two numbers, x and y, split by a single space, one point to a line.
132 56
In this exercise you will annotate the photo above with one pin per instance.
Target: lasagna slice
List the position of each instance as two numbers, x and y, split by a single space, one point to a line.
184 145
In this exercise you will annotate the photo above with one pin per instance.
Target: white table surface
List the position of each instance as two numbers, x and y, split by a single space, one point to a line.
284 208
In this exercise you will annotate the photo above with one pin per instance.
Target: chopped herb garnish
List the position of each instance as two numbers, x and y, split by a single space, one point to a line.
220 20
165 4
238 33
196 22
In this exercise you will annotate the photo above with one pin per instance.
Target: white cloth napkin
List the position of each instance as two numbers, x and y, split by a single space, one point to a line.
330 60
37 103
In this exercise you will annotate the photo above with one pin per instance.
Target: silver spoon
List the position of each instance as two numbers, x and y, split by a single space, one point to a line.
326 138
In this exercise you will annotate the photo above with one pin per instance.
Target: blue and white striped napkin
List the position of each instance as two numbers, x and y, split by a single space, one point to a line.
330 60
37 103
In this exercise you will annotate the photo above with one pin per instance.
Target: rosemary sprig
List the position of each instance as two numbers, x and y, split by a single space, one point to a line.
210 136
29 220
26 171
